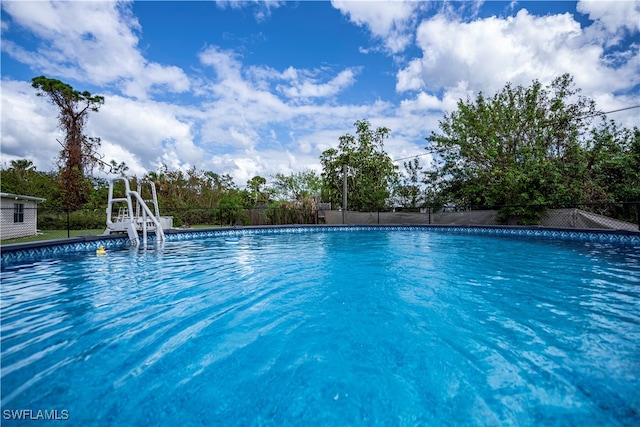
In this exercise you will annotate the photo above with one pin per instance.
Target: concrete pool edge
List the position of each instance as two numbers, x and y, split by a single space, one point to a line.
47 249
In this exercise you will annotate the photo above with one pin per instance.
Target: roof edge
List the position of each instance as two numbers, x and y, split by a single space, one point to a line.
21 197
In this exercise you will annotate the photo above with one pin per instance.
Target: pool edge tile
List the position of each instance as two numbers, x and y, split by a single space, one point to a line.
34 251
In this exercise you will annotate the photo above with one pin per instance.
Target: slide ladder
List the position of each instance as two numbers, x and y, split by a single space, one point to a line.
130 221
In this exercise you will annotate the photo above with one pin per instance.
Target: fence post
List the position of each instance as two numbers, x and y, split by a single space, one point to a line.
68 223
429 210
344 192
638 214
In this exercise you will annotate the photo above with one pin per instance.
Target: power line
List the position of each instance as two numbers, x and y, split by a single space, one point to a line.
410 157
590 115
615 111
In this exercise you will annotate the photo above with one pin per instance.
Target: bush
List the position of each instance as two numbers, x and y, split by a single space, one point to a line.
521 215
59 219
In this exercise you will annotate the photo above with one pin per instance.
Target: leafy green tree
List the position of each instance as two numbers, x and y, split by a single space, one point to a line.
100 194
232 208
23 178
118 169
614 163
409 192
371 173
191 196
297 186
22 165
78 154
523 146
216 186
254 187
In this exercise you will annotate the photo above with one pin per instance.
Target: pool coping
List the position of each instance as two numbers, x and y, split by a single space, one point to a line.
46 249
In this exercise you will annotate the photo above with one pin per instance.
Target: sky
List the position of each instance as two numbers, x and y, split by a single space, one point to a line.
260 88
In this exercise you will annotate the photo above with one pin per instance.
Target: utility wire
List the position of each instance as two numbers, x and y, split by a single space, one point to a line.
582 117
615 111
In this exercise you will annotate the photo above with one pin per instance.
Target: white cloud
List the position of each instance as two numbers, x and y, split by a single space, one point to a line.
225 63
487 53
248 120
235 106
423 101
157 78
628 118
307 87
265 163
388 20
91 41
243 84
262 9
118 153
612 15
31 129
230 84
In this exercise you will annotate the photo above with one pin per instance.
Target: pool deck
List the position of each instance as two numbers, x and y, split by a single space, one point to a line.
47 249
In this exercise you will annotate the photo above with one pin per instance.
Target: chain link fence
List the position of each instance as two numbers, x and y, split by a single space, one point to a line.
41 223
600 216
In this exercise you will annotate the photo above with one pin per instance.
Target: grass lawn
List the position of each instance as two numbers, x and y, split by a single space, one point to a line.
63 234
53 234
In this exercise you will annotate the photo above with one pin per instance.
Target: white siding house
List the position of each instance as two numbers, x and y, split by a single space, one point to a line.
18 215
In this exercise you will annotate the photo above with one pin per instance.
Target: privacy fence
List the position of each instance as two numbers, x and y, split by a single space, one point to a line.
44 223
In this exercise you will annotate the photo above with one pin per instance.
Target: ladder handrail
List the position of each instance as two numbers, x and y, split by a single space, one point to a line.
147 211
154 196
129 216
113 200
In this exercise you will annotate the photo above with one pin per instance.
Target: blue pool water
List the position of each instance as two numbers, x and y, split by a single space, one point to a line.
343 328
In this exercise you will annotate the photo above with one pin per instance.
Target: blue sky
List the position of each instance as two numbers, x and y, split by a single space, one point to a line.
259 88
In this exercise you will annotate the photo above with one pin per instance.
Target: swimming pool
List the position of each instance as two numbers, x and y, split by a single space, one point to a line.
365 327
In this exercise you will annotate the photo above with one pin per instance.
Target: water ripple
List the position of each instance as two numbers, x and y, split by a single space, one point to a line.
355 328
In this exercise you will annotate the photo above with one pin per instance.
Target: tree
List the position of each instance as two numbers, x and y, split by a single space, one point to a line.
254 187
22 165
297 186
23 178
217 185
409 192
370 171
232 208
78 154
614 163
523 146
118 169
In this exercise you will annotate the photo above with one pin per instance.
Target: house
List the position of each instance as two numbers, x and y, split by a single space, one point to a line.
18 215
